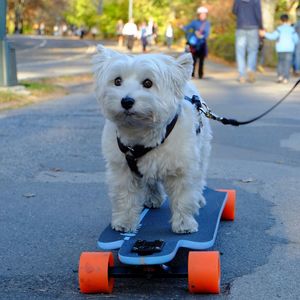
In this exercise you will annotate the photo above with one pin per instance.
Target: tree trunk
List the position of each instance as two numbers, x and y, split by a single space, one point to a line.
268 12
291 7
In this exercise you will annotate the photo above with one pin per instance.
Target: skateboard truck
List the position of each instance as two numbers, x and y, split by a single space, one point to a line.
143 247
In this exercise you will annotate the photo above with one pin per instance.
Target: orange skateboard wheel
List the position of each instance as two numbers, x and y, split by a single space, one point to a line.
93 273
229 209
204 272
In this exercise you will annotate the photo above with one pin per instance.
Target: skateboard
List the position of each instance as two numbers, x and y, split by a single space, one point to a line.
146 252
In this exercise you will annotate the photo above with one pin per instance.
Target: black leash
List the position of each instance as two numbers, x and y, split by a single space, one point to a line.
201 106
133 153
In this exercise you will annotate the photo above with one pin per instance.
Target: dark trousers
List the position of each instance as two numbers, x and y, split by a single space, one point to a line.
284 64
130 41
144 43
199 54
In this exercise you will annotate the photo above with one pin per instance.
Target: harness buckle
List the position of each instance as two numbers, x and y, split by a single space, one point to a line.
131 149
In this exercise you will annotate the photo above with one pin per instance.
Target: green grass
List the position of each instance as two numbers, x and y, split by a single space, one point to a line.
39 90
223 46
36 88
39 86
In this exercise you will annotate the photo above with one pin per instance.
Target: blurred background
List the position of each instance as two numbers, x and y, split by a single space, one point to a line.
98 19
53 197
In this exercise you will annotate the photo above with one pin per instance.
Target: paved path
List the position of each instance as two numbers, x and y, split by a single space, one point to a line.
46 56
54 201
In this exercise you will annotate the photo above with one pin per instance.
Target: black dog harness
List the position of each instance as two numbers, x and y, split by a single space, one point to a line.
132 154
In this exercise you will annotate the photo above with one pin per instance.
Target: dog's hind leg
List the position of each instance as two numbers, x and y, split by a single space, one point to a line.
155 194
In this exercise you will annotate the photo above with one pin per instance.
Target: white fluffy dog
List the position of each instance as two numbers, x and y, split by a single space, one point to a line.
151 140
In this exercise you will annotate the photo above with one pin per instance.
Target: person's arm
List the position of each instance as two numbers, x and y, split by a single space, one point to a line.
273 36
235 7
136 32
189 27
258 14
207 30
124 31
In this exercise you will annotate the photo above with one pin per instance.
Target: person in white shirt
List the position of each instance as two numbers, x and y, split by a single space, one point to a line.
130 32
169 35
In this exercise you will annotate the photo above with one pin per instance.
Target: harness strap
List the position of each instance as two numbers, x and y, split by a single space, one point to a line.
133 153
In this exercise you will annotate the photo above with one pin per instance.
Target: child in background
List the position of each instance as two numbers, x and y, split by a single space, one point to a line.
143 36
169 35
297 49
287 39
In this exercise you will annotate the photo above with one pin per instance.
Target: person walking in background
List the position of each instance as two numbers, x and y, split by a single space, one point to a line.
297 47
169 35
249 21
143 36
197 34
42 28
119 31
287 39
94 32
150 31
155 33
130 32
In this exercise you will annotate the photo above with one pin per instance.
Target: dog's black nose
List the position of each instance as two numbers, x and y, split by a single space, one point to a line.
127 102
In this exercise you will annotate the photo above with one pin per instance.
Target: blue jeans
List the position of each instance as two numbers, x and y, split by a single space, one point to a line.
285 60
297 58
246 42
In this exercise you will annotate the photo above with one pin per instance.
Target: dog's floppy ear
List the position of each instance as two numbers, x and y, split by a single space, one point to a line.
185 62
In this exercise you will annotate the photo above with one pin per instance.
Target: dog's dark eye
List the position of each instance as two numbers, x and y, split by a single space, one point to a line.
118 81
147 83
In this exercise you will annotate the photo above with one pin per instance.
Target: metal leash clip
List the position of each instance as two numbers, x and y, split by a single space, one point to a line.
208 113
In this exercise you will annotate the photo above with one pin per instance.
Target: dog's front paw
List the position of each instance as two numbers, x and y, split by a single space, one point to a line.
153 202
124 225
202 201
184 224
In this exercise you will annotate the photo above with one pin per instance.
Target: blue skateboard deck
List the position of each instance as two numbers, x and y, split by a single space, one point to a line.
154 225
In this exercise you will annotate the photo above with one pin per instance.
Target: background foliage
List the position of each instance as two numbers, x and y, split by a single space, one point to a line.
104 15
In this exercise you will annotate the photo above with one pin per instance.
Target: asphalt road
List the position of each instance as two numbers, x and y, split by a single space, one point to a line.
54 201
46 56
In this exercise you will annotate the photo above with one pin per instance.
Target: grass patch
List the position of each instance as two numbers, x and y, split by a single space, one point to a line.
40 86
223 46
6 97
40 90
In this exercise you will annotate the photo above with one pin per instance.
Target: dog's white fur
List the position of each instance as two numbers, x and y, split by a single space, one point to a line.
179 165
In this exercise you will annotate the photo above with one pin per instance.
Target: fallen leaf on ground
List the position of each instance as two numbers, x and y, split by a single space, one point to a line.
247 180
56 169
29 195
